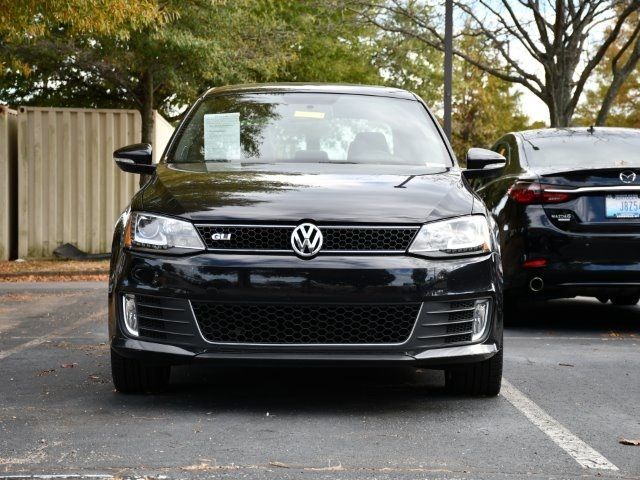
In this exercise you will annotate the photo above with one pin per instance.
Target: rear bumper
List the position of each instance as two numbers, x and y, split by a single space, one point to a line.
577 263
242 279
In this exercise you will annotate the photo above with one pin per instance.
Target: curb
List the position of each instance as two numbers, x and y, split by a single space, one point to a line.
52 286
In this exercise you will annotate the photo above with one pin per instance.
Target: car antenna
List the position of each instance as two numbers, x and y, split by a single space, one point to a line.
533 145
591 130
404 182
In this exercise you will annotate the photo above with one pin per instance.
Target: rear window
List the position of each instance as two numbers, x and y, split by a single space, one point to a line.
584 150
248 129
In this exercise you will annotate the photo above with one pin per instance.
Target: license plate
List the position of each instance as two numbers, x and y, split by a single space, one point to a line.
622 206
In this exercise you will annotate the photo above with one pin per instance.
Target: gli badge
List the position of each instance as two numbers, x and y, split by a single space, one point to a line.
221 236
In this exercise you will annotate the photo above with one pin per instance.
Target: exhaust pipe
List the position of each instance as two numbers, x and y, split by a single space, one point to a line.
536 284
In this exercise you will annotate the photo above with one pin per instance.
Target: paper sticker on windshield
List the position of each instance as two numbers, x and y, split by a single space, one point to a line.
222 136
303 114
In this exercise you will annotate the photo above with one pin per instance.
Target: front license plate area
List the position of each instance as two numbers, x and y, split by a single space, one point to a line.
622 206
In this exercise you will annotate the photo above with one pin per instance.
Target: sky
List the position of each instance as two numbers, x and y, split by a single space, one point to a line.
532 106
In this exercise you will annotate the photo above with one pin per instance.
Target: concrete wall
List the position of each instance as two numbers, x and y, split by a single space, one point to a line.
8 182
162 131
69 188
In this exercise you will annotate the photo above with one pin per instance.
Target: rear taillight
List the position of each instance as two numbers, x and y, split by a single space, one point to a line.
535 263
534 193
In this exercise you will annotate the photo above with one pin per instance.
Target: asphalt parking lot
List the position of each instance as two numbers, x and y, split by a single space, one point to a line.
571 392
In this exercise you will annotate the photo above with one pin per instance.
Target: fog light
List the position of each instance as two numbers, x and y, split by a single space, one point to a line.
480 316
130 314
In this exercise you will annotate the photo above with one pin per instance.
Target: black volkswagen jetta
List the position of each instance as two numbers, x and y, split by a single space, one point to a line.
305 225
567 204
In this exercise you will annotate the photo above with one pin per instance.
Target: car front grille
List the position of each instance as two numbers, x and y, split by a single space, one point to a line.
337 239
305 324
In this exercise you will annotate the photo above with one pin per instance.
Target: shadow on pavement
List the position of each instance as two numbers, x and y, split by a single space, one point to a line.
583 316
314 391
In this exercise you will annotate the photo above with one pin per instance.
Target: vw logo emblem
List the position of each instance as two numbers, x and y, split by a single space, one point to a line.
627 177
306 240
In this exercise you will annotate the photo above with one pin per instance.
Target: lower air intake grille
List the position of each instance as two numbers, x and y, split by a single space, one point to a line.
162 318
324 324
446 322
463 322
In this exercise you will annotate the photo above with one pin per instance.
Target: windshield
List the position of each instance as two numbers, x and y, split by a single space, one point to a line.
312 128
584 150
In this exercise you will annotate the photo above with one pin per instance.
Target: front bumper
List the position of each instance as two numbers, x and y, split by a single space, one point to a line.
239 279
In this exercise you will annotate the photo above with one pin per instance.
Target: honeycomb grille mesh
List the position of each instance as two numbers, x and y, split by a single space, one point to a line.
325 324
163 318
463 329
349 239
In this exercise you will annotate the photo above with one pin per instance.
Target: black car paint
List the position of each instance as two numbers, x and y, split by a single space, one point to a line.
291 196
189 192
587 253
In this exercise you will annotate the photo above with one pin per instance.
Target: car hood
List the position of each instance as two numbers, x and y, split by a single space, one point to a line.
269 194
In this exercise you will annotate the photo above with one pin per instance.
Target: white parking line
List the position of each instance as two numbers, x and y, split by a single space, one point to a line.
582 453
621 336
53 335
56 476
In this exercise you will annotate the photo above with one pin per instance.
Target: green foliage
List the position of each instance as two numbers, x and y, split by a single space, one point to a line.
332 46
484 107
406 62
625 109
33 18
205 43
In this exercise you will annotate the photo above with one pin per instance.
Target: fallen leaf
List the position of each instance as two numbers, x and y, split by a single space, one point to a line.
199 467
279 464
68 365
334 468
633 442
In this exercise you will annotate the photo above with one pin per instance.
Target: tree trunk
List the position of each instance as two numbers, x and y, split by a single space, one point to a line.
146 113
607 101
559 101
620 76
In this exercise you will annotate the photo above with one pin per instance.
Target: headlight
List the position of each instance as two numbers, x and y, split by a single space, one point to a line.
156 232
462 236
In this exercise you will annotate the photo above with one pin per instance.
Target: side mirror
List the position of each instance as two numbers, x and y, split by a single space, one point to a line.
135 159
478 158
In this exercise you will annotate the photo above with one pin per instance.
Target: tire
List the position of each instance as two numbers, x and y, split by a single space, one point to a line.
477 379
625 300
603 299
134 376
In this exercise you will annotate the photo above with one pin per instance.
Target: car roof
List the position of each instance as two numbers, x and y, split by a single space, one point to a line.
371 90
571 131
